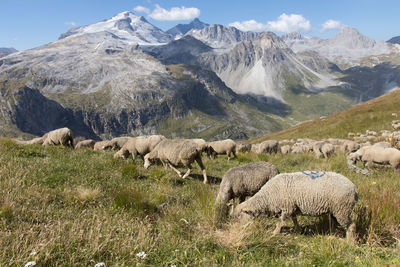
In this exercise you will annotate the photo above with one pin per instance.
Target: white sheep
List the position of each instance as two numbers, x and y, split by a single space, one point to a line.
268 147
118 142
227 147
62 136
241 182
174 153
34 141
103 146
140 145
243 147
285 149
376 154
307 193
89 143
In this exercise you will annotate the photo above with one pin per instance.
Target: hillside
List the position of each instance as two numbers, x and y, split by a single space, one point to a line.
374 115
82 207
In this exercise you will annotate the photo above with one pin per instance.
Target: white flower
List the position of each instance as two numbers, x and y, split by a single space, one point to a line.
176 250
141 254
373 182
172 265
33 253
31 263
100 264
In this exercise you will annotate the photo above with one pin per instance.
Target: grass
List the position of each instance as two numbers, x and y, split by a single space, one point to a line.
78 208
373 115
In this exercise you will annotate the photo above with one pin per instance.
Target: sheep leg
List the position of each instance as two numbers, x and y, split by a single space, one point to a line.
203 169
280 223
188 172
346 223
296 223
177 171
228 153
234 154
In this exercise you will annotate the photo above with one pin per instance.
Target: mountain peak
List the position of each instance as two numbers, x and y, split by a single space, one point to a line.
182 29
128 27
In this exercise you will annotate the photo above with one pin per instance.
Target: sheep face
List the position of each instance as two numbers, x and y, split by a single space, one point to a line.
147 161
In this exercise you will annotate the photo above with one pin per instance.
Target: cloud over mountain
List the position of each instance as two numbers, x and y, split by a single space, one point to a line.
175 13
331 24
285 23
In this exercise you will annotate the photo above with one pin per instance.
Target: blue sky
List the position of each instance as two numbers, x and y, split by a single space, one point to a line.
29 23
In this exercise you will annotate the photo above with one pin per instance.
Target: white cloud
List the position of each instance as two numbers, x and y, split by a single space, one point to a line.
175 13
141 9
249 25
289 23
71 23
284 23
331 24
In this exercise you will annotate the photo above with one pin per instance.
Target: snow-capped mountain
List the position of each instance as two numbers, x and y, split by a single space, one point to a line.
128 27
181 29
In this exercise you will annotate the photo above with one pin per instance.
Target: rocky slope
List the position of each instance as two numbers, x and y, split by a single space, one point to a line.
4 51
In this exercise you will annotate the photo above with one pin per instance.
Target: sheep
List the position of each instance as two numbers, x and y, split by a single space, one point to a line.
396 124
240 182
307 193
371 133
118 142
243 147
62 136
85 144
227 147
376 154
104 145
34 141
173 153
285 149
201 143
317 146
350 146
351 135
139 146
327 150
269 146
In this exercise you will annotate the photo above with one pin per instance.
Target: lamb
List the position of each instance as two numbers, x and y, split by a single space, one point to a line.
376 154
62 136
85 144
173 153
307 193
227 147
240 182
140 145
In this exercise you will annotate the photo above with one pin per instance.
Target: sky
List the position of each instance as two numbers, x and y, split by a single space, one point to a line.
27 24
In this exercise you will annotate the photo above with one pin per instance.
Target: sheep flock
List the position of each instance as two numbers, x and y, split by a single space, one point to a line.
260 188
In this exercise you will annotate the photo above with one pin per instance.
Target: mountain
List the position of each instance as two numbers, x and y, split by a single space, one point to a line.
4 51
394 40
345 48
126 26
99 85
181 29
218 36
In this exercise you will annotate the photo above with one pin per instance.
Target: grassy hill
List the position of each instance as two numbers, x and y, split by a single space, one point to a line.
375 115
81 207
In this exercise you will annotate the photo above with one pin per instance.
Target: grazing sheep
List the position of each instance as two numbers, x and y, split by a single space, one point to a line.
268 147
140 145
327 150
240 182
103 146
201 143
62 136
285 149
351 135
306 193
350 146
173 153
34 141
243 147
317 148
227 147
394 115
376 154
396 124
85 144
371 133
118 142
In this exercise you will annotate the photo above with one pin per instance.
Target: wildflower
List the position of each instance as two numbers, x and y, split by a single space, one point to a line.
31 263
176 250
373 182
100 264
33 253
141 254
172 265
